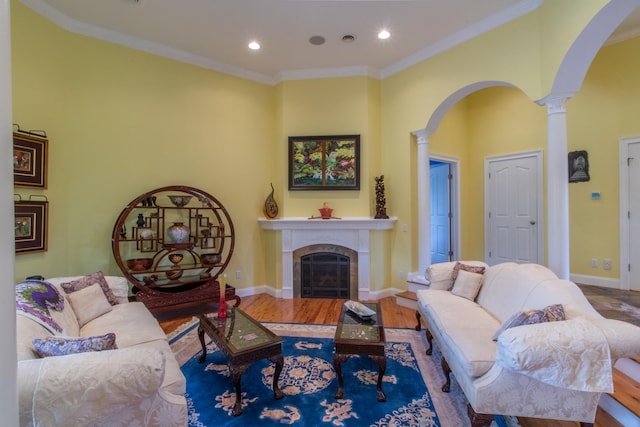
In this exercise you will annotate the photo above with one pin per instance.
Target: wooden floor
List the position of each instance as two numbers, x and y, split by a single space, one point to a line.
266 308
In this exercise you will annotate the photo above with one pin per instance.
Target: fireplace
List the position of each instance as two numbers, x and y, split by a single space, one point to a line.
347 236
325 271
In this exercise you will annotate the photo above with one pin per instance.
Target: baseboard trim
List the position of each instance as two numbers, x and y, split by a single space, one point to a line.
603 282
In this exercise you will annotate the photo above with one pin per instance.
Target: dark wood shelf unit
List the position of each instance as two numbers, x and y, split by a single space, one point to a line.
169 275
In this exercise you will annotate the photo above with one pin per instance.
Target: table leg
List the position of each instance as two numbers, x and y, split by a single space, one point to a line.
337 365
203 356
279 362
382 367
236 374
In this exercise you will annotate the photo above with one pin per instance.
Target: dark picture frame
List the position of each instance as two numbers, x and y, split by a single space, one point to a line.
30 226
579 166
327 162
29 160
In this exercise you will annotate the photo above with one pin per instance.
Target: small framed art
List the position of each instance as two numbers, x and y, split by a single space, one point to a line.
29 160
579 166
330 162
31 226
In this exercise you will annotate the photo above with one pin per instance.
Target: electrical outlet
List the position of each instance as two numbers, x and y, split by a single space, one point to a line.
401 274
238 274
606 264
594 262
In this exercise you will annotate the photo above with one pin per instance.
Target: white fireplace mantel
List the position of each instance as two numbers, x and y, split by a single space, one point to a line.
350 232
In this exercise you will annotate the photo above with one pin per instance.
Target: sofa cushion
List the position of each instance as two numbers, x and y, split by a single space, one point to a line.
89 303
132 323
61 346
467 284
89 280
464 327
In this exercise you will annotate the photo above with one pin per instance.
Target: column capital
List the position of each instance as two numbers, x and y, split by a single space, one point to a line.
556 103
422 136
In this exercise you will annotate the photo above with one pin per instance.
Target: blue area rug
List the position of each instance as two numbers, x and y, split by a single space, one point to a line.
309 382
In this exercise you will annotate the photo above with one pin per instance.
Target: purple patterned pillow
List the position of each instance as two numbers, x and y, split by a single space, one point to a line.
89 280
551 313
470 268
59 346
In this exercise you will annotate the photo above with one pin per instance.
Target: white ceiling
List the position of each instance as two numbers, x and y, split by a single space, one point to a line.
215 33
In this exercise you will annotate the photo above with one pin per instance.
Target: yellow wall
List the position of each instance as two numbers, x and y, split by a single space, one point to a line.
122 122
605 110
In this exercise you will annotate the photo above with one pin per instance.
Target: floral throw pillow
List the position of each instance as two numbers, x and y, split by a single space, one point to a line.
61 346
89 280
470 268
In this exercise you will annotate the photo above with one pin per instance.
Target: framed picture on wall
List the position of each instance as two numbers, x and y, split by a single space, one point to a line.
29 160
31 226
330 162
579 166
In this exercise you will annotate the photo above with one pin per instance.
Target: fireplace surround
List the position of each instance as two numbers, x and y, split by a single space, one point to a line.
352 233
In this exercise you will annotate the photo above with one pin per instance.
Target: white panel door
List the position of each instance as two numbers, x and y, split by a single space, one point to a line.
440 212
634 216
513 210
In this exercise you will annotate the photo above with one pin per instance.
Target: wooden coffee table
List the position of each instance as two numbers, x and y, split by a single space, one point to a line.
243 341
356 336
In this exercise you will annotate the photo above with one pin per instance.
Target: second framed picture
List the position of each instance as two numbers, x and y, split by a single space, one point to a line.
330 162
31 226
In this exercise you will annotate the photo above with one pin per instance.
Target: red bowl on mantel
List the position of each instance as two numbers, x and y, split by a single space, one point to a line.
325 213
139 264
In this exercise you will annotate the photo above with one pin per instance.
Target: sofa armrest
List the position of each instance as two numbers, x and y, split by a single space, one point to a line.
623 337
120 288
571 354
85 388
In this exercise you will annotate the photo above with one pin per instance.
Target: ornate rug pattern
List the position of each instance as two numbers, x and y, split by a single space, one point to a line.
411 382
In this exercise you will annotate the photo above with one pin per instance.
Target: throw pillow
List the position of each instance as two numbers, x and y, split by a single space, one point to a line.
85 281
551 313
89 303
470 268
467 284
60 346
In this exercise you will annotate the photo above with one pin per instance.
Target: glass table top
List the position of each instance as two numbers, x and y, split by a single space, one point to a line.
241 332
352 327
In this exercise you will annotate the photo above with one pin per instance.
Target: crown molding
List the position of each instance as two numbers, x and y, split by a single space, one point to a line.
78 27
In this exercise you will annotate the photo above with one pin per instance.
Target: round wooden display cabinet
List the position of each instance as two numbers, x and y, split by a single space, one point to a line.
172 243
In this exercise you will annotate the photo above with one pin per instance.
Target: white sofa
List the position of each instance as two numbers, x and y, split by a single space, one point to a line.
139 383
554 370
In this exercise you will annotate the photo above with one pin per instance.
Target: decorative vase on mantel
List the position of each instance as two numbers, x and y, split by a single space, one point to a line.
178 232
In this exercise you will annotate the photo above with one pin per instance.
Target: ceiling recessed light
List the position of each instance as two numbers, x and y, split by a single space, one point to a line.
348 38
317 40
254 46
384 34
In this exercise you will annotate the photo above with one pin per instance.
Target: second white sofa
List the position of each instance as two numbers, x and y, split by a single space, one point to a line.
554 370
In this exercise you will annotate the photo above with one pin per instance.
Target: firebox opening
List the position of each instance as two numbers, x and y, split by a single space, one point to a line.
325 275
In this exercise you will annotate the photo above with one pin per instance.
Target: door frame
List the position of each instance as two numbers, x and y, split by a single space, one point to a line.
454 201
623 152
538 155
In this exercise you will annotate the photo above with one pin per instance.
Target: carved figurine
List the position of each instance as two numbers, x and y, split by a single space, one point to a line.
381 201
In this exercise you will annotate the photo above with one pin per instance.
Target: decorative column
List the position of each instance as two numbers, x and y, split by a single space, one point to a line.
557 186
424 201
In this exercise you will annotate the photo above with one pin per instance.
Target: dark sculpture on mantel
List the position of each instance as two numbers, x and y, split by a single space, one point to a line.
381 201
